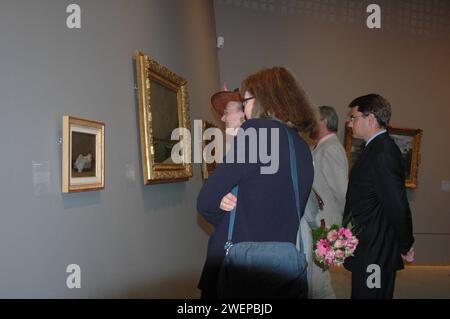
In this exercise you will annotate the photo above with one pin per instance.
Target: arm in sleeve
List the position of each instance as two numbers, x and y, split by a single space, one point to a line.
227 175
389 181
311 215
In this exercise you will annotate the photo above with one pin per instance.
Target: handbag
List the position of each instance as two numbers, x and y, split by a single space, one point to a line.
264 269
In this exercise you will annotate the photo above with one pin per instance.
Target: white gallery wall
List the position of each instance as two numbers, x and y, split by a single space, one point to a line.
141 241
129 240
336 57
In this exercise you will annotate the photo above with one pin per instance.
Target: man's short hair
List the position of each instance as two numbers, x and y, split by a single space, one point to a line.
329 113
375 104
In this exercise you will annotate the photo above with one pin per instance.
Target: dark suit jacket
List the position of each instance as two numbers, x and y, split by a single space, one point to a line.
376 203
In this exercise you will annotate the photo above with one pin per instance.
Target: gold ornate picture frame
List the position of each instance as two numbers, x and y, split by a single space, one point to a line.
207 168
83 155
163 106
407 139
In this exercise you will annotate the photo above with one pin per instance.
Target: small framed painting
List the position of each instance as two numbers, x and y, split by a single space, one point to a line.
408 141
83 155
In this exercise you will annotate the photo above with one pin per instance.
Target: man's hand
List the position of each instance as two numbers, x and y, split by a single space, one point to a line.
409 256
228 202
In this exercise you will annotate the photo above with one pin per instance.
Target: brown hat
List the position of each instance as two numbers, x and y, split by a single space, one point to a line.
220 100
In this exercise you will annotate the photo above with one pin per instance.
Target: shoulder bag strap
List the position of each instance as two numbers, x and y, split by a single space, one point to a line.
294 177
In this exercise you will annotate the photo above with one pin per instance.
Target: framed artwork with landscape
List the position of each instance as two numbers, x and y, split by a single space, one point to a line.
163 107
407 139
83 155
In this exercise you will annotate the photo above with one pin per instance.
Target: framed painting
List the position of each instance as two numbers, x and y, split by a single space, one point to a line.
83 155
407 139
163 107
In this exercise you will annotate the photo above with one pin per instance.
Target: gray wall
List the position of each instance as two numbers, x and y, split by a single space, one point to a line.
129 240
337 58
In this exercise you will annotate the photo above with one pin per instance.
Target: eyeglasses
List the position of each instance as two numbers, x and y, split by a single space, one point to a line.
353 117
244 101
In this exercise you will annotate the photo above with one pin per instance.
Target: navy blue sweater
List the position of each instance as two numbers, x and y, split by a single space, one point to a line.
266 209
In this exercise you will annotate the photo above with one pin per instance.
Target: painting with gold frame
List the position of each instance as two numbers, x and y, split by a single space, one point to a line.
83 155
208 165
163 106
408 140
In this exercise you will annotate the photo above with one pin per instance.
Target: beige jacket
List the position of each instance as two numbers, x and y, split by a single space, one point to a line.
331 178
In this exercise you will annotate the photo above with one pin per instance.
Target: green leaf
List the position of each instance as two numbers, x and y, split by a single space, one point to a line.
334 227
322 265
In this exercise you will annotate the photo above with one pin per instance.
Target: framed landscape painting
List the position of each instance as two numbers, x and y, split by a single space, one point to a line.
408 140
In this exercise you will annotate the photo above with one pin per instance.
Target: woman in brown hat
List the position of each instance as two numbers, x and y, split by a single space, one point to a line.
275 105
229 105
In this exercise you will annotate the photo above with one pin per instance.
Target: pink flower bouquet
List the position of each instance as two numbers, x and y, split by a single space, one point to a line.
332 245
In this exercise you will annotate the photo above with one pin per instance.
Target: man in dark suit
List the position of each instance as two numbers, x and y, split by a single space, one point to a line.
376 203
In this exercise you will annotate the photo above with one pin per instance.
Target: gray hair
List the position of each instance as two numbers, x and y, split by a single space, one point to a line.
329 113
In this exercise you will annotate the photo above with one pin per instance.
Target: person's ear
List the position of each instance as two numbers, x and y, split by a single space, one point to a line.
373 121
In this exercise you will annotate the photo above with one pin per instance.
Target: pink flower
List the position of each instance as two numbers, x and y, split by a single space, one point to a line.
332 235
338 244
323 247
329 257
345 232
339 254
348 233
353 243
